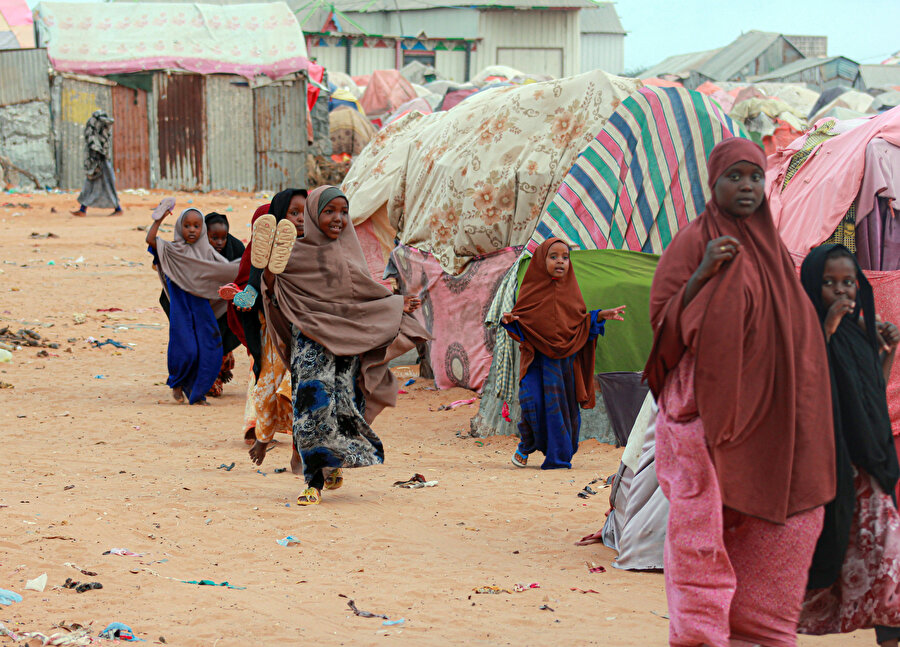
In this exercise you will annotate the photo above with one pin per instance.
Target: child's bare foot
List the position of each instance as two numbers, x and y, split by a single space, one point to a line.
204 403
258 453
177 394
296 461
78 212
250 436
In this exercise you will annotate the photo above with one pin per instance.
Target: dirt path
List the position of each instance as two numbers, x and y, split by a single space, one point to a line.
97 456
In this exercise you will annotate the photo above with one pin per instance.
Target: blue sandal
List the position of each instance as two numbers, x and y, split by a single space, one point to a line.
519 459
246 297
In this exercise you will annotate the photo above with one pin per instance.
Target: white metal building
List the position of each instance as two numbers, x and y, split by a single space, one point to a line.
561 38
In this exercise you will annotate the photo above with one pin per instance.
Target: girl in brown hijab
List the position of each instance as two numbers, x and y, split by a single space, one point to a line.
341 328
745 446
557 339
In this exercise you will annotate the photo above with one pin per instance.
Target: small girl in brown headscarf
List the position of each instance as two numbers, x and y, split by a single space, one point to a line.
557 337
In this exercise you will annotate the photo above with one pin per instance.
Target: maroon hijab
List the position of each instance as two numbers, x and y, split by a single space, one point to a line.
761 378
555 321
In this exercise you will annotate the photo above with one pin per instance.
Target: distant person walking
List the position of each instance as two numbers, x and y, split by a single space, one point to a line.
100 180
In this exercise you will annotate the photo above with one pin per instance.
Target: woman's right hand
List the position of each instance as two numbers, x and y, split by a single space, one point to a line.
718 252
509 318
835 314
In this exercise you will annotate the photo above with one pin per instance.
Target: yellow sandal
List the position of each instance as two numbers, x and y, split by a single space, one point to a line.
335 480
309 496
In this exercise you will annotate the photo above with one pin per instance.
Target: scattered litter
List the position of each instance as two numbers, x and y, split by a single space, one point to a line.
415 482
99 377
280 470
80 570
110 310
225 467
211 583
123 552
544 607
491 590
393 623
364 614
402 392
594 567
72 635
37 584
661 615
518 588
288 541
5 385
588 491
81 587
10 340
410 382
5 356
79 318
261 472
49 234
8 597
458 403
584 590
504 412
112 342
51 262
480 443
117 630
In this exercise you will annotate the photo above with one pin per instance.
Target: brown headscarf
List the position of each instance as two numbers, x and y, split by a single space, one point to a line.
761 379
328 292
555 321
196 268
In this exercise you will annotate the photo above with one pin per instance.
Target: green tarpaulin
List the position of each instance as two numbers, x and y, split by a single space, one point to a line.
610 278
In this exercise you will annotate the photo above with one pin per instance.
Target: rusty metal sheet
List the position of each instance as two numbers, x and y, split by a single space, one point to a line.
74 101
281 143
24 76
181 139
131 138
230 139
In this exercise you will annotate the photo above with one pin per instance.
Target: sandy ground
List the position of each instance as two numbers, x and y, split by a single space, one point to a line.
97 456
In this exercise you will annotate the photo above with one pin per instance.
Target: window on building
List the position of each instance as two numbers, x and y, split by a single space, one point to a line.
423 57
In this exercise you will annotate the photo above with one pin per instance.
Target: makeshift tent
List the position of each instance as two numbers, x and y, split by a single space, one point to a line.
342 98
418 105
416 72
853 102
101 38
386 91
640 180
771 122
16 26
495 73
342 81
461 187
454 97
350 131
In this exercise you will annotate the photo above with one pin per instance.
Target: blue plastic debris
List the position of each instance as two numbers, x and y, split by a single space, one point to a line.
391 623
411 380
290 540
8 597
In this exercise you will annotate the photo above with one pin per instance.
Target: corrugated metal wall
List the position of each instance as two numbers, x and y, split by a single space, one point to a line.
74 102
603 52
131 138
24 76
365 60
181 138
452 65
333 58
230 137
281 144
510 30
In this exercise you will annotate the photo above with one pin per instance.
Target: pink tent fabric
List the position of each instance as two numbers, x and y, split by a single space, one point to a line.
460 353
708 88
387 90
17 16
662 83
809 209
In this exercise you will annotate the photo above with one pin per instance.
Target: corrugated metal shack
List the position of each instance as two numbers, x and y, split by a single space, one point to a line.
189 132
26 128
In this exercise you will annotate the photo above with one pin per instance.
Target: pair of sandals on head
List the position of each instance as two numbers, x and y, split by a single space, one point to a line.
272 245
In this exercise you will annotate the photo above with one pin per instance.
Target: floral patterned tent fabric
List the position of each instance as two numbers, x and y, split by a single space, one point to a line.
114 38
475 180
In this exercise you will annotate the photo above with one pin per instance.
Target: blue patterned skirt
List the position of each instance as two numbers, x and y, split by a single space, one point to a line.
329 428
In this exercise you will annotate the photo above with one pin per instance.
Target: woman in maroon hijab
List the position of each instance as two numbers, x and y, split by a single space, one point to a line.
745 446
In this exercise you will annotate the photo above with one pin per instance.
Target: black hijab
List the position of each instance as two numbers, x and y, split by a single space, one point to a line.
234 248
862 425
250 319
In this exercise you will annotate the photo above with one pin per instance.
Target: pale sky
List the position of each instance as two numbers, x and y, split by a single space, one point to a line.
867 31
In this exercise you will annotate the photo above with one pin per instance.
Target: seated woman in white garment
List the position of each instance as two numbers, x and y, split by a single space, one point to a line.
636 523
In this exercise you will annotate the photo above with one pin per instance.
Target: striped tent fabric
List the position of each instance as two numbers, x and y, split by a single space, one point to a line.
643 177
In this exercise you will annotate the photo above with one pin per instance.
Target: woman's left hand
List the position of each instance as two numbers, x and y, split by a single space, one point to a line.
890 334
613 314
411 303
